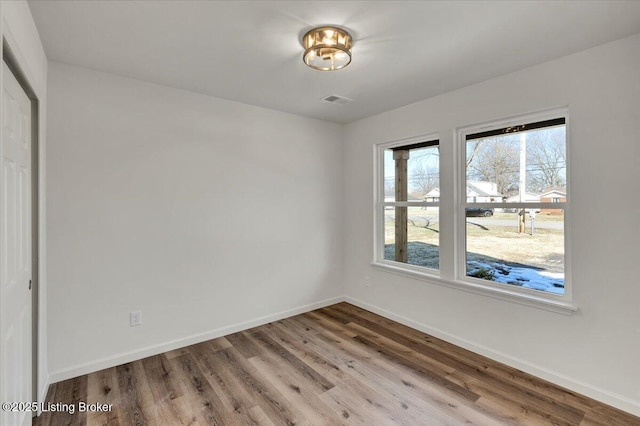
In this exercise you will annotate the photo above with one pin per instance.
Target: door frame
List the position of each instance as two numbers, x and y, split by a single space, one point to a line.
13 64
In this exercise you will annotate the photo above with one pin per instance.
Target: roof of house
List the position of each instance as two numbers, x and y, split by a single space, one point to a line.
435 192
482 188
561 192
474 188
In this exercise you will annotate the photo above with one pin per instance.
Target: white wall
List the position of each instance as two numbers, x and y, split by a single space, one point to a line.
597 350
19 30
200 212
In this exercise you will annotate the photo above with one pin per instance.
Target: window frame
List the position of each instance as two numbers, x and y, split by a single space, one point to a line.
562 303
452 246
379 205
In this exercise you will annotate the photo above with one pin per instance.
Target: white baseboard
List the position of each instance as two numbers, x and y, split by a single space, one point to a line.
610 398
123 358
42 394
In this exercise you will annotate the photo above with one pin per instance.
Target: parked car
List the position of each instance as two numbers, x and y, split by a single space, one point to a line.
479 212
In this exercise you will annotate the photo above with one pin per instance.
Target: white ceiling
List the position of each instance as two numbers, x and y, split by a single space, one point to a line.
250 51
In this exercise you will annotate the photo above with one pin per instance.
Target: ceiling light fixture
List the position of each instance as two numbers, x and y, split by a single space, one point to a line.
327 48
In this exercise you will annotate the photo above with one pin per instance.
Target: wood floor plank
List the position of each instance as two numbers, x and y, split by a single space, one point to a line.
303 398
237 402
301 370
131 408
339 365
102 387
345 404
275 406
532 407
167 390
204 403
243 345
603 417
259 417
434 366
70 392
418 368
299 345
316 322
218 344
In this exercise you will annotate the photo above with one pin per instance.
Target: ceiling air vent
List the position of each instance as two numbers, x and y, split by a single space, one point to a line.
335 99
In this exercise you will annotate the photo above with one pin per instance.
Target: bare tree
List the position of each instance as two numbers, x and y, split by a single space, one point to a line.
472 150
495 160
424 175
423 179
546 160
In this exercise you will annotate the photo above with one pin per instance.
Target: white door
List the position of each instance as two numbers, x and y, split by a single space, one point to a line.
15 249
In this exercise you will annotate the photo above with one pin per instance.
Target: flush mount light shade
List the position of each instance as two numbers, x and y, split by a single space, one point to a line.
327 48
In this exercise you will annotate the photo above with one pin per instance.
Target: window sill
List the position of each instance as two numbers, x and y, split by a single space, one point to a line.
534 301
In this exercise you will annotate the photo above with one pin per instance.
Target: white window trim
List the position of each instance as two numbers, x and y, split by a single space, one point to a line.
562 303
379 205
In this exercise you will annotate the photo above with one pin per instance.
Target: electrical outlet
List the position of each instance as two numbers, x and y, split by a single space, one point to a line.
367 281
135 318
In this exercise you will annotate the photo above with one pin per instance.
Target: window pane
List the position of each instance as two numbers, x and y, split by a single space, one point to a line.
389 176
518 167
533 259
423 227
423 174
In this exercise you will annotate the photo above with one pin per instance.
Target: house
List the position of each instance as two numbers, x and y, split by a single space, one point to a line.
190 222
483 192
477 192
528 198
433 196
553 196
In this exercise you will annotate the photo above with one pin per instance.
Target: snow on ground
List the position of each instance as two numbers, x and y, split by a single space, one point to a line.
552 282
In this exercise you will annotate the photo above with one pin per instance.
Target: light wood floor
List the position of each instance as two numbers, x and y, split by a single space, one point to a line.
336 365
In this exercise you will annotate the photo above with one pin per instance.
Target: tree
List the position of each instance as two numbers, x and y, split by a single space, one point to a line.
424 175
423 179
472 150
546 160
495 160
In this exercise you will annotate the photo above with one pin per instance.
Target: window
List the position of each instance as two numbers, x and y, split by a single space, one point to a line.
514 193
502 205
407 211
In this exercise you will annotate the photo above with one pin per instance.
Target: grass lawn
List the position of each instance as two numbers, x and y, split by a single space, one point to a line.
486 242
503 244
